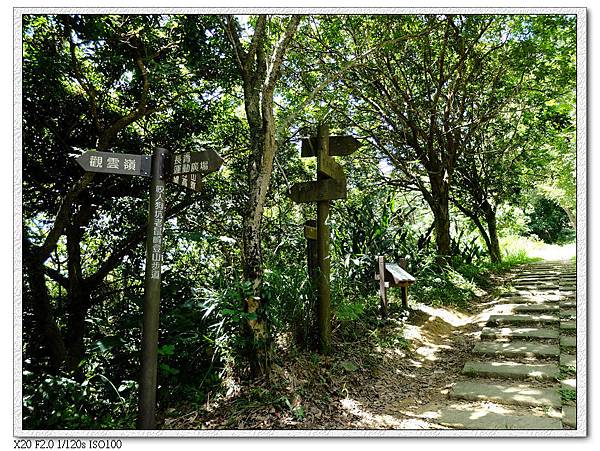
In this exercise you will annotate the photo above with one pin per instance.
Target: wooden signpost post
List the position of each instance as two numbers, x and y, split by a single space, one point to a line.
330 185
186 170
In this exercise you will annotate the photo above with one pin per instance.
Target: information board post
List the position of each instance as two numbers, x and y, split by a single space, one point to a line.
156 216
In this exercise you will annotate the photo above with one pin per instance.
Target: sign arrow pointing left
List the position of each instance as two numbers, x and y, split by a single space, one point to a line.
115 163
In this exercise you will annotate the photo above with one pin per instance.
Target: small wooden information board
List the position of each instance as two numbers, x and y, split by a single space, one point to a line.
394 276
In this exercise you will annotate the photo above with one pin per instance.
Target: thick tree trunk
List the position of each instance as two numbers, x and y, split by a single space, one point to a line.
260 70
78 305
439 204
44 322
257 330
78 299
259 176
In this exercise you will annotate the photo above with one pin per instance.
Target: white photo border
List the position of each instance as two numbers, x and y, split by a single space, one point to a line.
581 262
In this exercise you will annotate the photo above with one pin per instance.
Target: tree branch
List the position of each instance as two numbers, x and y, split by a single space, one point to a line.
134 115
63 281
87 87
63 215
129 243
274 66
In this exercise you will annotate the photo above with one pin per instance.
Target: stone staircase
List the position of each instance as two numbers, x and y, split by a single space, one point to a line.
522 373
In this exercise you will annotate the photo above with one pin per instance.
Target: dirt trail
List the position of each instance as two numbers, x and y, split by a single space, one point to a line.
401 376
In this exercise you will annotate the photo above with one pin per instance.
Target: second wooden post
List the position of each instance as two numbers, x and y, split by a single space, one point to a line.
323 260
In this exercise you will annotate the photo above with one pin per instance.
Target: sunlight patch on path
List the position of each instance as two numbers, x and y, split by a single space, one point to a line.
553 252
454 318
375 421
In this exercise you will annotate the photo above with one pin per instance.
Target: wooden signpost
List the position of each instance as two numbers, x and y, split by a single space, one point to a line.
186 170
330 185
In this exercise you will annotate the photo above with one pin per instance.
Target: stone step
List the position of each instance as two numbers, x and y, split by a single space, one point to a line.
571 313
568 360
482 419
544 294
569 416
531 280
522 319
535 308
536 286
568 304
534 270
521 332
525 348
541 300
506 394
568 325
569 384
568 341
511 370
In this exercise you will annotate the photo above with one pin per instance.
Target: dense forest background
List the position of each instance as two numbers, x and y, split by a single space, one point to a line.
467 126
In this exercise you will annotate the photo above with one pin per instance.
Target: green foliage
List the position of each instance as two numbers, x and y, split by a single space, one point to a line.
567 395
297 411
549 222
58 402
443 287
350 311
567 372
391 339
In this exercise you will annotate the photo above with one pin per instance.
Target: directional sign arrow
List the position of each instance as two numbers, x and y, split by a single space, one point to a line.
338 146
190 180
328 167
115 163
188 168
204 162
326 189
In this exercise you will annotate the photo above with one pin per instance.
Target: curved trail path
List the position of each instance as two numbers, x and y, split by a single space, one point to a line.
521 374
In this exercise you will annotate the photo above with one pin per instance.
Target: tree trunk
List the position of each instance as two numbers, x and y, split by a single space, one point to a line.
257 330
572 217
491 241
260 65
44 322
78 299
494 244
260 167
78 305
439 203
